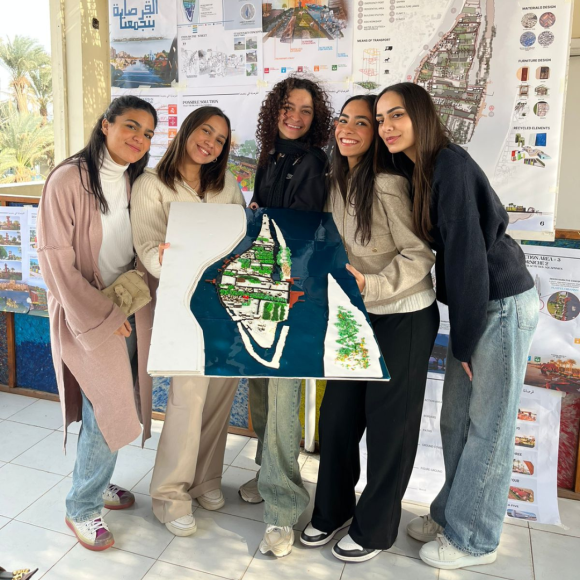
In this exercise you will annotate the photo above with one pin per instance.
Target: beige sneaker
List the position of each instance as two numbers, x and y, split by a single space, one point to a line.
212 500
424 528
442 554
277 540
249 491
92 534
183 526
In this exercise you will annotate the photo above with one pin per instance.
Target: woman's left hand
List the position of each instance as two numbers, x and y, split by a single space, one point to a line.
360 279
467 368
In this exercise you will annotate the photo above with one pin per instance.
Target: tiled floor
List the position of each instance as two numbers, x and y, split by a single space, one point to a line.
35 478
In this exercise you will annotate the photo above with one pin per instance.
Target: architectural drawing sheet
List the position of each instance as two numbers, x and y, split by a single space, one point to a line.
496 71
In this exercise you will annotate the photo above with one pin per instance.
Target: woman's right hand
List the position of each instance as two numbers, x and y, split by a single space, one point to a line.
162 248
254 205
124 330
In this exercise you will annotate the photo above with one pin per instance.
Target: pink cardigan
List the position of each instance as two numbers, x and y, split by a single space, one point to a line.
85 350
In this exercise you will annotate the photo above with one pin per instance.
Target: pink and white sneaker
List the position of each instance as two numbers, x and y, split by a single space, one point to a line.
92 534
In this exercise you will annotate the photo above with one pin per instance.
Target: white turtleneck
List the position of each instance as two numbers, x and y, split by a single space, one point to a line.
117 254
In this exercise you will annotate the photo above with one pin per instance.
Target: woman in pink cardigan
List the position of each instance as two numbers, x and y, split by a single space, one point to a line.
100 356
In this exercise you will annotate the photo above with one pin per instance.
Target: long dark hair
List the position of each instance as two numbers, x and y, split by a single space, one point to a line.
212 176
431 136
357 188
90 156
267 131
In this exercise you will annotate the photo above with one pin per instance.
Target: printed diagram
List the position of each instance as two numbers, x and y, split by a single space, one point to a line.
370 70
258 297
211 63
456 70
220 58
563 306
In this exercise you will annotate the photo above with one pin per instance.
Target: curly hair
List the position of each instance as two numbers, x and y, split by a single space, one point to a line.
267 131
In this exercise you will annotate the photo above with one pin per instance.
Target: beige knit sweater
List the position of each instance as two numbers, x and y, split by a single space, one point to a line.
150 201
396 263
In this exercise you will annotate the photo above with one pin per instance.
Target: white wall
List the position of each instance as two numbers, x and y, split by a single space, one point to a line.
568 211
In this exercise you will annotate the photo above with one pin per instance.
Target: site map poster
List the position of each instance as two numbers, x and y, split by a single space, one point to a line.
497 74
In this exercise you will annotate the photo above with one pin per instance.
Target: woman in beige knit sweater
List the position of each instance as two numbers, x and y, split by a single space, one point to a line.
191 450
391 265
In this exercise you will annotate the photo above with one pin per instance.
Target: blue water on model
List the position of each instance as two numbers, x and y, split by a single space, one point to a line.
317 250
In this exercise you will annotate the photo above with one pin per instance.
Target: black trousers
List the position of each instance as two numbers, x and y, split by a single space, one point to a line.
391 414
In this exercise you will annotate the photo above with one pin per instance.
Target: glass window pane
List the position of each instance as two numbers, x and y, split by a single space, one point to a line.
26 117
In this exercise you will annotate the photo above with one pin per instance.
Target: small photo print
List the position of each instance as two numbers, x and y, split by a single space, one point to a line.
520 515
12 253
527 414
10 270
528 441
10 238
34 268
523 467
251 42
521 494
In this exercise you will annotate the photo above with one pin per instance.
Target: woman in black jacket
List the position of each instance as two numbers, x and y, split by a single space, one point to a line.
295 121
493 311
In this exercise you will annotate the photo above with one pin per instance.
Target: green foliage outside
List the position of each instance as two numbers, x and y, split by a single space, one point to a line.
244 263
26 134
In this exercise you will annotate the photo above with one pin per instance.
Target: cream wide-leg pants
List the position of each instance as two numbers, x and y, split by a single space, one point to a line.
191 450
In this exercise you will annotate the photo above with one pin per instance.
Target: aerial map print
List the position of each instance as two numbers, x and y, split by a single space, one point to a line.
494 70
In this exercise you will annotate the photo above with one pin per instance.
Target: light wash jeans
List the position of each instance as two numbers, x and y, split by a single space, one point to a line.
95 462
478 421
275 408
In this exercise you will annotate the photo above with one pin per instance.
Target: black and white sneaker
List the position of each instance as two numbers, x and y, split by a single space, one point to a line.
314 538
348 550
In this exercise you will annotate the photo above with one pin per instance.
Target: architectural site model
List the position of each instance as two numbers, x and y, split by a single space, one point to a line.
259 294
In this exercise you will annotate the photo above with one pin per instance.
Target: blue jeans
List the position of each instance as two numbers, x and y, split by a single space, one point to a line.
275 407
478 422
95 462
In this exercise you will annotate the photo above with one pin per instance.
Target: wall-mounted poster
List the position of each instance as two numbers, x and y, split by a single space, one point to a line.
554 361
13 289
241 107
212 56
143 43
308 37
496 72
532 494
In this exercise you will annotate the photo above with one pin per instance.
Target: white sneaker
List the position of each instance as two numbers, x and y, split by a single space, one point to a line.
277 540
315 538
348 550
441 554
92 534
183 526
424 528
212 500
249 491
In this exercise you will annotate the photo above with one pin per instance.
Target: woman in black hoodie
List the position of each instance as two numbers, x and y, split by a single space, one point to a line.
295 121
